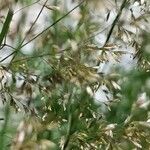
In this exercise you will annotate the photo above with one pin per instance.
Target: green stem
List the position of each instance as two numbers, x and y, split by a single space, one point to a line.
54 23
4 128
6 25
68 132
115 21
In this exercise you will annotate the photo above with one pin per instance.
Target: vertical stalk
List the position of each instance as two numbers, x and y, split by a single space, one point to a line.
6 25
68 132
116 20
4 128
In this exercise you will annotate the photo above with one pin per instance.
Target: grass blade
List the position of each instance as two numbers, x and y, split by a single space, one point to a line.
6 25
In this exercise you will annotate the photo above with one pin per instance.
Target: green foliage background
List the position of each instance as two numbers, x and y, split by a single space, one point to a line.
58 112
